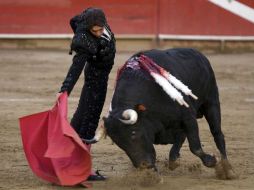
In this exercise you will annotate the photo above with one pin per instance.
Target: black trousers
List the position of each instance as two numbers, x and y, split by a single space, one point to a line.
86 117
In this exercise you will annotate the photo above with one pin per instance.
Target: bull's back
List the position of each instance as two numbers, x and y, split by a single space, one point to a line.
187 65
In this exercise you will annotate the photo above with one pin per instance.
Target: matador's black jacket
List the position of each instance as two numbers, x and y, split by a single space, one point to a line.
96 57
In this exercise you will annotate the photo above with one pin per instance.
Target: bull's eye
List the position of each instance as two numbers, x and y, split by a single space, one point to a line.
133 135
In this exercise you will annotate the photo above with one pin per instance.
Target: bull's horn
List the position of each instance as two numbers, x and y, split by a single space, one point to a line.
99 134
130 117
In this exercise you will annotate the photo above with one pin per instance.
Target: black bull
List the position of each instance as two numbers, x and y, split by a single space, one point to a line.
160 119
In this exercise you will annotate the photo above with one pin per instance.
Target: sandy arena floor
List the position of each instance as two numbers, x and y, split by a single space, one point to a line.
30 80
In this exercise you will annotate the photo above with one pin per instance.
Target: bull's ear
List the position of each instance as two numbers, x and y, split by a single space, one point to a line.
140 108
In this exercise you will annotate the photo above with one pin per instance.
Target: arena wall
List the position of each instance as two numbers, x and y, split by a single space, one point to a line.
207 24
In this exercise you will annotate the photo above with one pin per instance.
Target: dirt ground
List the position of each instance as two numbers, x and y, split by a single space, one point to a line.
31 78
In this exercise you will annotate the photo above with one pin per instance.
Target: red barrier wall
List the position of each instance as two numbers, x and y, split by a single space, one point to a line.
52 16
201 18
184 17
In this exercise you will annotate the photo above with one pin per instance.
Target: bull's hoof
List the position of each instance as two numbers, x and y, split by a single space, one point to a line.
173 164
224 170
209 161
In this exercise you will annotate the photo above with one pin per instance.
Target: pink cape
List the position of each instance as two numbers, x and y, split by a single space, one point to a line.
53 149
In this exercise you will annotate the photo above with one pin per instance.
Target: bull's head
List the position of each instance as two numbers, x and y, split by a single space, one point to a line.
132 132
128 129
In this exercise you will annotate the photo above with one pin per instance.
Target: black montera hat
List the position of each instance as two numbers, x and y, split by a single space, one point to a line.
93 17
